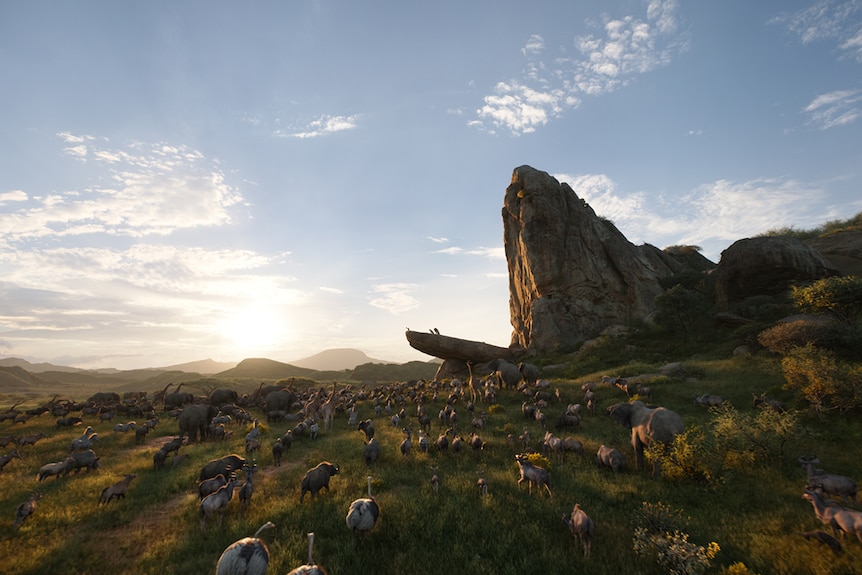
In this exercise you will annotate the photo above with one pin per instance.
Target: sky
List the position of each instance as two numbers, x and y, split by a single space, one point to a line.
225 180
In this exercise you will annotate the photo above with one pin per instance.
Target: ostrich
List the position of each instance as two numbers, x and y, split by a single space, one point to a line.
363 513
311 568
26 509
406 444
248 556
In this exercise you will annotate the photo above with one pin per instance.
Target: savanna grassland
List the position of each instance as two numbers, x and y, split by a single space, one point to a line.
754 513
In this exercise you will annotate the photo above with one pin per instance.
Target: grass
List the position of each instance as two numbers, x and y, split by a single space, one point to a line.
755 518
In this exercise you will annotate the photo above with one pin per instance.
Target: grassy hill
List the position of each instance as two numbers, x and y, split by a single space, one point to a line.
754 513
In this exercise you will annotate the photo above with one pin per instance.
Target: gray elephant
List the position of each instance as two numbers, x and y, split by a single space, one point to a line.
195 419
648 425
222 395
506 372
452 369
178 398
279 403
530 372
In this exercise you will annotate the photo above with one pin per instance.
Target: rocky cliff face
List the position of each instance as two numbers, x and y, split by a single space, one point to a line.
571 273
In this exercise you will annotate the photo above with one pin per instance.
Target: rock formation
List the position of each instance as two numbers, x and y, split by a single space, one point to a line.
766 266
572 273
841 249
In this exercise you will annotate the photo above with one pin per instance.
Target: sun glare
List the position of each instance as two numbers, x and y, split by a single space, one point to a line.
255 329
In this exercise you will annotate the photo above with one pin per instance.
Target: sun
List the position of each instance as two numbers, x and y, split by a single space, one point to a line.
255 328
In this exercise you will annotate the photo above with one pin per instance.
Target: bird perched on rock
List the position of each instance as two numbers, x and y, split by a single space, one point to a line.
363 513
248 556
311 568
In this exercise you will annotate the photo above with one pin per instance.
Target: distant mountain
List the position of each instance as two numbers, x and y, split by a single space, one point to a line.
204 366
261 368
16 379
35 367
336 360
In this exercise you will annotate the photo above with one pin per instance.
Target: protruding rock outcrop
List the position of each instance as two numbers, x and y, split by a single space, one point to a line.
766 266
842 249
571 273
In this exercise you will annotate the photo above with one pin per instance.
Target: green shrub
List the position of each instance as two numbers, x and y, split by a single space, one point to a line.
786 336
738 568
839 297
659 534
825 382
730 443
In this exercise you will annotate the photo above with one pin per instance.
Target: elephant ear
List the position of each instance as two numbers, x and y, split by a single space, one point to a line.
621 413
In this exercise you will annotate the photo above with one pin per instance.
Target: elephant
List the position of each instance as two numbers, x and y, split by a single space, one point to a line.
452 369
178 398
279 402
194 420
223 395
506 372
530 372
648 425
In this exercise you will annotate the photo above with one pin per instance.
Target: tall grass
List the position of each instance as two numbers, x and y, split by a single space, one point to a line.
755 518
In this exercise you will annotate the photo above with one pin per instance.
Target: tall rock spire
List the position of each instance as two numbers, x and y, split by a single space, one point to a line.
571 272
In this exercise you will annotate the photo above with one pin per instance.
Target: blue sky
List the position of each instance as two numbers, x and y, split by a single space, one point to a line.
190 180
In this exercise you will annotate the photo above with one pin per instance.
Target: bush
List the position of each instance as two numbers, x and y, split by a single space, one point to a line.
840 297
825 382
658 533
737 569
730 443
786 336
679 309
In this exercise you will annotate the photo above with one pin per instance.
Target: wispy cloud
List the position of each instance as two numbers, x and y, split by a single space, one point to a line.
87 261
396 298
828 20
145 189
491 253
321 127
625 48
715 214
836 108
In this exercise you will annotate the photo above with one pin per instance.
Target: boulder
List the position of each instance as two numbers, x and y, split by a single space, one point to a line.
766 266
841 249
571 272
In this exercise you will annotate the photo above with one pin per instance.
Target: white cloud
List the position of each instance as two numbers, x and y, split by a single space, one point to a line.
396 298
13 196
491 253
626 48
520 108
828 20
836 108
322 126
146 190
534 45
715 214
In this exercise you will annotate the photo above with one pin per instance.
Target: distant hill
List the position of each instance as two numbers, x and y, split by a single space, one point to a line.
15 379
204 366
262 368
35 367
336 360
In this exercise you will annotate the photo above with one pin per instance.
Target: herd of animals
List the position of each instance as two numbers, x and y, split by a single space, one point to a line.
209 418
